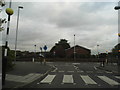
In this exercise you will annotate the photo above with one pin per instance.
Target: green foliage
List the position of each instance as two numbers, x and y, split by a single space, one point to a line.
2 3
64 43
60 47
2 21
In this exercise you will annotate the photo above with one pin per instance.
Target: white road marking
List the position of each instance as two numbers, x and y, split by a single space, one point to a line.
118 77
75 63
48 79
114 63
61 71
108 80
67 79
54 70
95 68
108 72
80 71
70 71
87 79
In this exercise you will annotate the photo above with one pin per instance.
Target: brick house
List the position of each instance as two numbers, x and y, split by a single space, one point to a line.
80 52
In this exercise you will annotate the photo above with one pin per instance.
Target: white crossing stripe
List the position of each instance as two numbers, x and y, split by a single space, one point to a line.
118 77
67 79
87 79
48 79
108 80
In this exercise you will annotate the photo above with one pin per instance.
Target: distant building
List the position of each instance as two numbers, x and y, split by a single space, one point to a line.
80 52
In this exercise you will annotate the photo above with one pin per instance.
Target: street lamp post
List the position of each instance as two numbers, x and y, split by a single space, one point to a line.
9 12
117 8
19 7
98 51
34 54
74 47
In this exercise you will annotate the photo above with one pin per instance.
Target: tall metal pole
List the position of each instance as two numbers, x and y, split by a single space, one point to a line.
74 48
98 51
9 11
17 31
35 48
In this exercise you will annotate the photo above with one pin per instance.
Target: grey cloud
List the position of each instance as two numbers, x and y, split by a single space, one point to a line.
46 23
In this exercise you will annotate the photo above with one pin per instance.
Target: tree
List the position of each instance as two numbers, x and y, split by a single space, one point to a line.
2 21
64 43
60 47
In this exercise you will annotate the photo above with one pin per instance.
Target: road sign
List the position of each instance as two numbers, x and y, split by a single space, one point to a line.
45 47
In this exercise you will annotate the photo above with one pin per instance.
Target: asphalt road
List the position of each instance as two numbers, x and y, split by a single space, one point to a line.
76 75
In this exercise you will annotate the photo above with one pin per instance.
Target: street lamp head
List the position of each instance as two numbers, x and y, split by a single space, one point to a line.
9 11
117 7
20 7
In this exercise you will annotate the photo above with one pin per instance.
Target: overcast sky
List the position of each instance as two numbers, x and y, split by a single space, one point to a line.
45 23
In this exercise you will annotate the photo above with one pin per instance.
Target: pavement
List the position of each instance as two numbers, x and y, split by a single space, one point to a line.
111 67
25 73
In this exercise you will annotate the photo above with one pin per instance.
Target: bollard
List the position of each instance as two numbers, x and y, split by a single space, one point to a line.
33 60
106 61
44 62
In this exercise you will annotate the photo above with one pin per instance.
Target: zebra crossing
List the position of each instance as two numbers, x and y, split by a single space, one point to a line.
87 79
69 79
23 79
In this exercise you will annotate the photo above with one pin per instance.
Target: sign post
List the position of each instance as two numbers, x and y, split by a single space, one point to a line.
45 48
